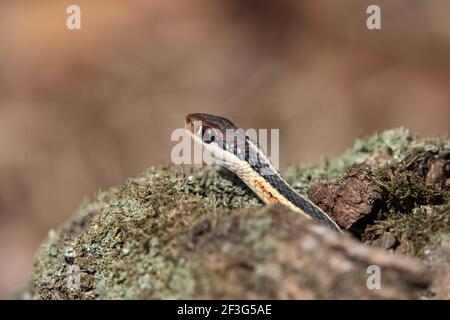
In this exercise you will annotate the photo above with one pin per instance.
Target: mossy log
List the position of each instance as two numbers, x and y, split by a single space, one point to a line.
184 232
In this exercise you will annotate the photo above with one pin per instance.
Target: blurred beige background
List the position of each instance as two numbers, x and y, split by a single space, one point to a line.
82 110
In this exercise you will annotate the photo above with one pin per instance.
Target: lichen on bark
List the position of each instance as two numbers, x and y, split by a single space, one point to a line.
189 232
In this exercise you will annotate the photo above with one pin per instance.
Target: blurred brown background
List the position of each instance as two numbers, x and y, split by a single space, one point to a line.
82 110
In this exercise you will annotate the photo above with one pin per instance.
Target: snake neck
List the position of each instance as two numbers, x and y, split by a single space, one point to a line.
300 201
256 170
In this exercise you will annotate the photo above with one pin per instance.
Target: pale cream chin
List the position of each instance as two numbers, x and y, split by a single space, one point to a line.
224 158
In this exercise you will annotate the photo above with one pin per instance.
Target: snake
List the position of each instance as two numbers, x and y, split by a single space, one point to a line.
233 149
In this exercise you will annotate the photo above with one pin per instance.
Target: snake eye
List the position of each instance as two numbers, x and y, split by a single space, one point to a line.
208 136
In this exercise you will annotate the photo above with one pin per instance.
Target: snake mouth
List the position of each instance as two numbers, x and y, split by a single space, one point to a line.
195 126
189 121
220 124
216 135
215 132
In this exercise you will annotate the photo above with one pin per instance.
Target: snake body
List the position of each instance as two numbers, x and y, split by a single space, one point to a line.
234 150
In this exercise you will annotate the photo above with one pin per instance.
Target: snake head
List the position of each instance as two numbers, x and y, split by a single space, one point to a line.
218 136
202 124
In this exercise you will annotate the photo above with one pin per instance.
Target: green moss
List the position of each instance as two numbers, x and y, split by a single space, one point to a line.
415 213
125 241
405 190
382 148
396 162
418 231
121 239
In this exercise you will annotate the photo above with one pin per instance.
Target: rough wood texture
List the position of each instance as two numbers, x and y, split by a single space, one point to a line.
353 197
293 258
184 232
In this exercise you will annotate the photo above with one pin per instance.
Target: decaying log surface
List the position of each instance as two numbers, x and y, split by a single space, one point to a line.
350 199
294 258
184 232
